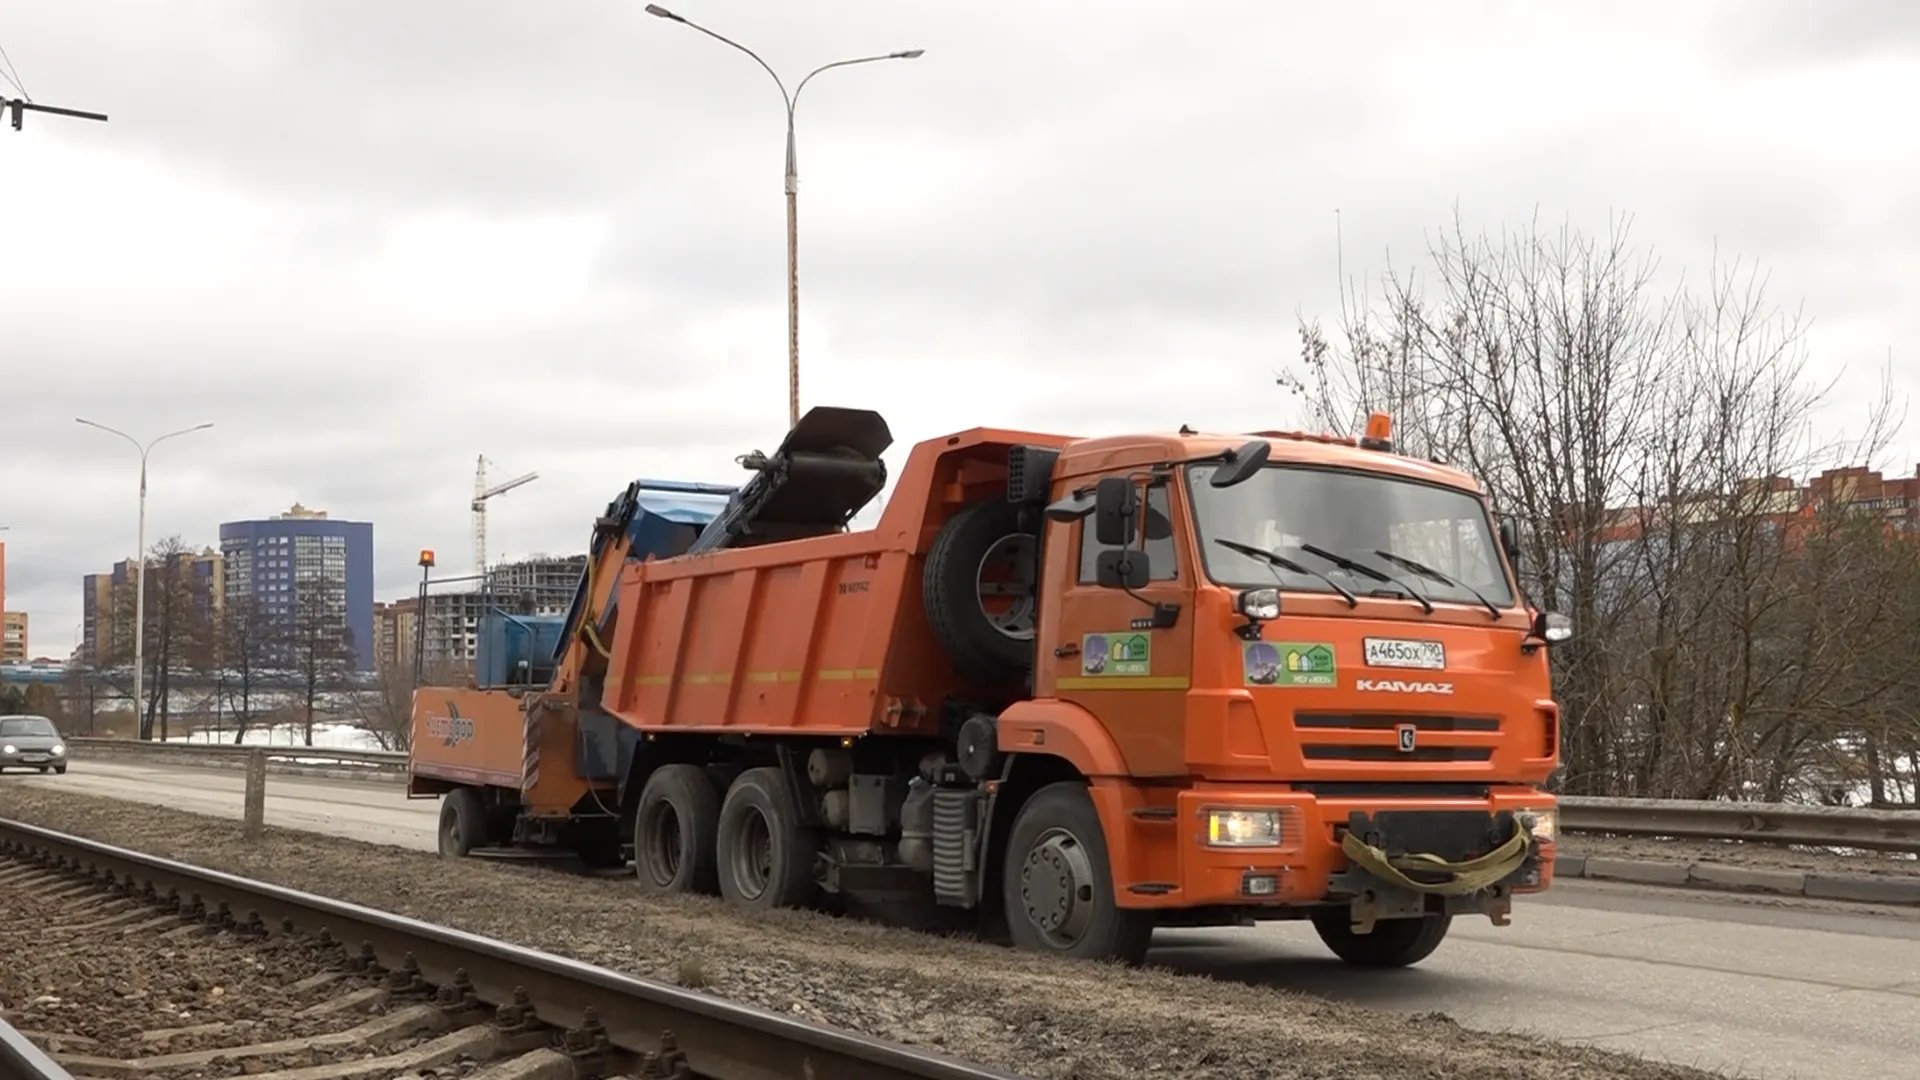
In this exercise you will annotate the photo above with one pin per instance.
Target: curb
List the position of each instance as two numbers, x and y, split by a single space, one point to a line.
274 768
1723 877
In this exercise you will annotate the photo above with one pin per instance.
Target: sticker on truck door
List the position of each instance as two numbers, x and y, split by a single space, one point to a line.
1116 654
1289 663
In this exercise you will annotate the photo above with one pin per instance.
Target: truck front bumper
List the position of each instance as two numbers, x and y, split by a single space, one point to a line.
1255 845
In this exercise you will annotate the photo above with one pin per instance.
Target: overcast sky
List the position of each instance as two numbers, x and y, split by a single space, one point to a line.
371 240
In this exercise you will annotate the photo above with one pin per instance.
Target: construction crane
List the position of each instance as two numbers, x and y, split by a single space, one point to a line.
481 493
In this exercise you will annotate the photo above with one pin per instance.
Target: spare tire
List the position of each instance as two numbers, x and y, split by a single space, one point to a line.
980 587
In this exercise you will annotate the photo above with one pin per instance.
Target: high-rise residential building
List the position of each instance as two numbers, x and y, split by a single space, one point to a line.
394 628
269 560
452 632
545 583
13 637
100 630
540 585
107 601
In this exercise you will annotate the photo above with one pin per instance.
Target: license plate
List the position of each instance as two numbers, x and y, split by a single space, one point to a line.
1403 653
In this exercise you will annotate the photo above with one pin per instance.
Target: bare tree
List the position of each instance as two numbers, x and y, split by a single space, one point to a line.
320 644
385 711
1646 444
252 640
179 631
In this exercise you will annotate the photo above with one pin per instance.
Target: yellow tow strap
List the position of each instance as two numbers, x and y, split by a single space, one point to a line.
1470 876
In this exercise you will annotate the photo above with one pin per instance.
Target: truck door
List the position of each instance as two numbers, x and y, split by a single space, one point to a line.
1098 648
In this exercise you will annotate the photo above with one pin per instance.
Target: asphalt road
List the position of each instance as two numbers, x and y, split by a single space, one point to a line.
1768 989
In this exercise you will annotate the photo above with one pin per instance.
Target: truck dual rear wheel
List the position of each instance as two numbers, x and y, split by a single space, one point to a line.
676 828
463 823
1393 942
765 855
1058 883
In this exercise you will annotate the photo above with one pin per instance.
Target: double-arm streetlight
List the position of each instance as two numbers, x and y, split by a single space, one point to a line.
793 189
140 562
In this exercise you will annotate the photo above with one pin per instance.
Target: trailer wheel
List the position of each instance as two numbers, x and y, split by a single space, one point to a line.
1393 942
979 590
1058 883
463 823
765 856
676 830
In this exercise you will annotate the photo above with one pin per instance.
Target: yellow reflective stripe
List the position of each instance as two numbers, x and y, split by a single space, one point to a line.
724 677
1123 682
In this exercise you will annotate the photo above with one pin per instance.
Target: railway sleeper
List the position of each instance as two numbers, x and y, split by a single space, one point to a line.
355 1018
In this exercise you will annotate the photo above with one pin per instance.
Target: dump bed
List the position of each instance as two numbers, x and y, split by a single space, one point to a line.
827 635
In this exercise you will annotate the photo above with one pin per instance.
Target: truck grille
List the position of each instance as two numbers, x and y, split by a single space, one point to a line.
1390 721
1436 738
1369 752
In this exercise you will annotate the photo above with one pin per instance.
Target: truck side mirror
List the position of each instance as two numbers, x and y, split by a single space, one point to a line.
1123 569
1510 542
1116 511
1246 461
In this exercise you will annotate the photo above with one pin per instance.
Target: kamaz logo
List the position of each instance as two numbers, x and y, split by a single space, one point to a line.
451 729
1396 686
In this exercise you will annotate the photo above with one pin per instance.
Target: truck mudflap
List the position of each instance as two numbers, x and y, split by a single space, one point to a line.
1472 860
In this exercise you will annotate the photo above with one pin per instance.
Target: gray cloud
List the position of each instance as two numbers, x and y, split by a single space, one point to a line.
1791 32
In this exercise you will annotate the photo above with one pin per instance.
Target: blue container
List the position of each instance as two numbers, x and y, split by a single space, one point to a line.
517 650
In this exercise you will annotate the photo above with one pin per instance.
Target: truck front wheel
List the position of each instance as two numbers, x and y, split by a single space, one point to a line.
1393 942
1058 884
676 828
765 854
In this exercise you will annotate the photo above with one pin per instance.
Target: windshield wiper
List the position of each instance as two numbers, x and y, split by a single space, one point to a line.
1274 558
1427 571
1359 567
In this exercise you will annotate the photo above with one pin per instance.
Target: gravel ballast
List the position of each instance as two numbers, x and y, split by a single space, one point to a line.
1042 1018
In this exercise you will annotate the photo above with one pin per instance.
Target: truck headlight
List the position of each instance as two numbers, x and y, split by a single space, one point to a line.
1543 824
9 749
58 750
1243 828
1261 604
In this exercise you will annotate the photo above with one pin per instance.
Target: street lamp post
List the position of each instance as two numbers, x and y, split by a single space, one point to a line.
793 189
140 564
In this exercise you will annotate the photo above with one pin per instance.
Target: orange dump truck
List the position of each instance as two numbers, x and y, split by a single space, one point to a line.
1068 689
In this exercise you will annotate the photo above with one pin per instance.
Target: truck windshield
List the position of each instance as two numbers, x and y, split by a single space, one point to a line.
1290 509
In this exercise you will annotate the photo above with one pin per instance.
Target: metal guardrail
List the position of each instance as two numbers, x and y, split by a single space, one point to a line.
723 1040
331 763
21 1060
1766 823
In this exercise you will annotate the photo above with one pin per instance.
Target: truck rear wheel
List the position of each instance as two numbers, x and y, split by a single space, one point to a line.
676 830
1393 942
1058 883
463 823
765 856
979 590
